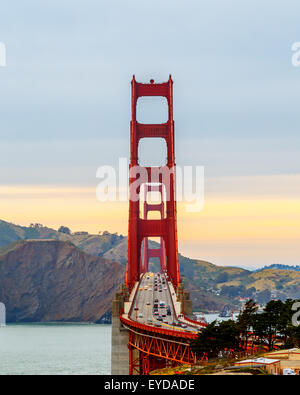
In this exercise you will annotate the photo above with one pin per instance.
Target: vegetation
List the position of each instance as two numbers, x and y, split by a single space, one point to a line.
216 339
271 328
64 229
246 322
278 266
210 368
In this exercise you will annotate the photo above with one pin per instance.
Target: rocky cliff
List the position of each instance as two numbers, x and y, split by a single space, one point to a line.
50 280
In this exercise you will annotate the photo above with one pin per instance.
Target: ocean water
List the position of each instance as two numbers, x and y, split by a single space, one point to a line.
55 349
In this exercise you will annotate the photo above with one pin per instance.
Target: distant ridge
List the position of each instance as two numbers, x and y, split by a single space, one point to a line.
53 280
278 266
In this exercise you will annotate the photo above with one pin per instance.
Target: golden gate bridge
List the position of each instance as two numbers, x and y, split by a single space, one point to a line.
150 325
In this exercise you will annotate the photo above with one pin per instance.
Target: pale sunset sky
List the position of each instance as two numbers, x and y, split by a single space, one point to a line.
65 111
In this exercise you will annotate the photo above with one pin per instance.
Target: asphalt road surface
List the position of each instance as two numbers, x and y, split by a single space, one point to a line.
153 305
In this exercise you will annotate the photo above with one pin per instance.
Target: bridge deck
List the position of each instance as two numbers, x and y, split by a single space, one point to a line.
154 289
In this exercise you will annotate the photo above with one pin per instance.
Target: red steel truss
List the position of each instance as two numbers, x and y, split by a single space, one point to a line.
157 352
140 229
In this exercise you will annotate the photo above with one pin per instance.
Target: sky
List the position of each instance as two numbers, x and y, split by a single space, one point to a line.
65 111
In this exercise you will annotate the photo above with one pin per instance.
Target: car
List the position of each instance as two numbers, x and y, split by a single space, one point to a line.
158 325
141 315
150 321
164 315
166 321
183 326
136 308
160 290
148 303
165 288
155 300
156 313
159 319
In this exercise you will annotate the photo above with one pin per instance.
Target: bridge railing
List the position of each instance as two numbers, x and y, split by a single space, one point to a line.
193 323
135 296
162 331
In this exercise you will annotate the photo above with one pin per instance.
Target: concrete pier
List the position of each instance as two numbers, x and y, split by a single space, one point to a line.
119 346
183 297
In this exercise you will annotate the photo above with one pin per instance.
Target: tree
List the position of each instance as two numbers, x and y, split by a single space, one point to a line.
246 320
271 316
285 325
217 338
229 335
259 327
64 229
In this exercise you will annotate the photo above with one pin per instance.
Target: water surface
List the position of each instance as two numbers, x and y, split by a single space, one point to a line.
55 349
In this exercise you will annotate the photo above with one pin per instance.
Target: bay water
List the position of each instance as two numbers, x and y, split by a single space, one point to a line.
58 349
55 349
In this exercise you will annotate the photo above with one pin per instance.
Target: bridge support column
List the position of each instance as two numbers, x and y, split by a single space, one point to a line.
119 341
183 296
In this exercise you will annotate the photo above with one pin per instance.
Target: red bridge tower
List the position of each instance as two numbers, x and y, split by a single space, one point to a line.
161 180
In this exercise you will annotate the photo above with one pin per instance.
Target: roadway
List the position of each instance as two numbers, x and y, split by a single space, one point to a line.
153 305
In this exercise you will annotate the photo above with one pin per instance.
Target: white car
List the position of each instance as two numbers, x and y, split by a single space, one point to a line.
141 315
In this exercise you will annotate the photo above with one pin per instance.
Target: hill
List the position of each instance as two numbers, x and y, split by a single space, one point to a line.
211 286
51 280
92 244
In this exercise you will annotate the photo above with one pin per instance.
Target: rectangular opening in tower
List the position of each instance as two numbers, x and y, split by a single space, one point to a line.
152 152
152 109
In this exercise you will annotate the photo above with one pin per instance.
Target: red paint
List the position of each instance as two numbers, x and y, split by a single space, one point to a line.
140 229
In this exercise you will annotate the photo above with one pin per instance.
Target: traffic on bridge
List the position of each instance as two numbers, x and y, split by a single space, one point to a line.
154 304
